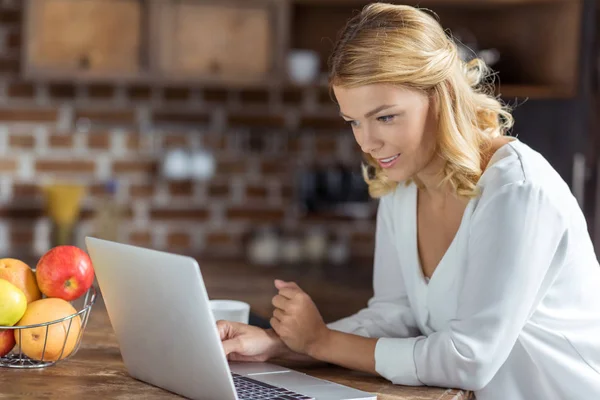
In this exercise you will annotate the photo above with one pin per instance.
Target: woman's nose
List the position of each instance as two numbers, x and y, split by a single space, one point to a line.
370 143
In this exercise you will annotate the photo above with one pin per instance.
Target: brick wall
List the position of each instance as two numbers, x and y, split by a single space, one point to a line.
94 132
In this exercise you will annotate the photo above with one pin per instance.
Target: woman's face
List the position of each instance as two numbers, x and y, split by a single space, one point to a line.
395 125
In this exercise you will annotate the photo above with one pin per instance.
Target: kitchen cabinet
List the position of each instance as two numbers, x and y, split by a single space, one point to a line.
228 41
247 42
231 41
83 38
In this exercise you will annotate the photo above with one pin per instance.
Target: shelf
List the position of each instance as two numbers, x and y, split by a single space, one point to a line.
538 42
532 91
473 3
505 90
535 92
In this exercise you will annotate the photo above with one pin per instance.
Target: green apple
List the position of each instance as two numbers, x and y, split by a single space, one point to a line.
13 303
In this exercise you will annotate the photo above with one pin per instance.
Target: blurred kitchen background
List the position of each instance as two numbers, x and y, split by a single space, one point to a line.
206 127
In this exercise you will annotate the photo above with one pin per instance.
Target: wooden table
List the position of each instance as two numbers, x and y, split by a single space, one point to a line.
97 370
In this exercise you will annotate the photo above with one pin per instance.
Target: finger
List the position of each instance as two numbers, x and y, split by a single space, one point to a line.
275 324
290 293
228 329
241 358
232 346
223 327
279 284
278 313
280 302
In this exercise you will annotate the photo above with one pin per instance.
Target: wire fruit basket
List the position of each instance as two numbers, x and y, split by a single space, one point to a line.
58 340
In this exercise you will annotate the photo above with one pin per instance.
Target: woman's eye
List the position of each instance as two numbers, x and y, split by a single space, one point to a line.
386 118
351 123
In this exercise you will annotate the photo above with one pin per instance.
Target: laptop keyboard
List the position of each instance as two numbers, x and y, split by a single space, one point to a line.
250 389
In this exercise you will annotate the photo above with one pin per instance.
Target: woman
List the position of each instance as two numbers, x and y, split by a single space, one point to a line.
485 276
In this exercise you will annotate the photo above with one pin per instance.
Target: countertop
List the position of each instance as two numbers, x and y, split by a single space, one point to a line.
97 370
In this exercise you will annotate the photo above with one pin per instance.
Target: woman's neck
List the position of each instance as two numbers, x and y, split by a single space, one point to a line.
429 179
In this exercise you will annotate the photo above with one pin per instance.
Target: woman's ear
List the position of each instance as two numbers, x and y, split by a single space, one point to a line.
434 102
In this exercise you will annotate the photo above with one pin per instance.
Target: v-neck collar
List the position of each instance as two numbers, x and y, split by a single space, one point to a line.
415 241
466 214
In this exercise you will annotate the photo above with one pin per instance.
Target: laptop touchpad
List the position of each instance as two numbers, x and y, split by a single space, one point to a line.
249 368
290 380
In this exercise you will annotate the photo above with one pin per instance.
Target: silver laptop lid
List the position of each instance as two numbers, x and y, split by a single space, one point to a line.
159 309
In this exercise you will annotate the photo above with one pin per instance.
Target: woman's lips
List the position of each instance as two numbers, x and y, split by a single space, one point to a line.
389 161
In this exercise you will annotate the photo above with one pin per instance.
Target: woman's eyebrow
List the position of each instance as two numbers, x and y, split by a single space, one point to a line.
373 111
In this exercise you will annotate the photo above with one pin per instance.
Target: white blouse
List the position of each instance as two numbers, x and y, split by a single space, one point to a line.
513 308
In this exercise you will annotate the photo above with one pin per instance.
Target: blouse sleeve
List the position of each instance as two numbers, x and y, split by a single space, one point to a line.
516 237
388 313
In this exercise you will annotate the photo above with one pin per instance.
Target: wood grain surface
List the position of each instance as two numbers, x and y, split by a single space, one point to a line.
97 370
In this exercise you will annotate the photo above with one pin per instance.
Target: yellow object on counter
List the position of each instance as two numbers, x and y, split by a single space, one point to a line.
63 203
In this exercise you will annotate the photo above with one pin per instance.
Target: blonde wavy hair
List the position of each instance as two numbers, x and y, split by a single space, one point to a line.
406 46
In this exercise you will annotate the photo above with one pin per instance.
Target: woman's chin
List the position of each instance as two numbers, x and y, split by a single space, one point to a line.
397 174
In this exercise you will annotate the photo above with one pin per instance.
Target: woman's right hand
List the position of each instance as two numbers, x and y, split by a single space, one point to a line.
243 342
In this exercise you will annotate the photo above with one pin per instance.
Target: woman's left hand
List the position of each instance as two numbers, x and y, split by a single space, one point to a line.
296 319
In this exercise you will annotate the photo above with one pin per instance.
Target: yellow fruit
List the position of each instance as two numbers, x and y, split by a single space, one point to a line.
32 339
19 274
13 303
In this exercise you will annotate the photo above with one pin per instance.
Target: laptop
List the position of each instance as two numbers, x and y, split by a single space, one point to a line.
159 309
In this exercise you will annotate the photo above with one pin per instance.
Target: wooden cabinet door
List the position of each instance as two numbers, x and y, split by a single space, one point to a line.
83 37
228 41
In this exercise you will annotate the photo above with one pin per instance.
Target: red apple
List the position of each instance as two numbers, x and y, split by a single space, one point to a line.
7 341
65 272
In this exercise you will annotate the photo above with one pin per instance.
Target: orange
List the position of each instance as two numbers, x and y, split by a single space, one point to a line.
32 339
19 274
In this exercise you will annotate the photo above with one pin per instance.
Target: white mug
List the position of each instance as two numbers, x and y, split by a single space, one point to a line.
230 310
303 66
